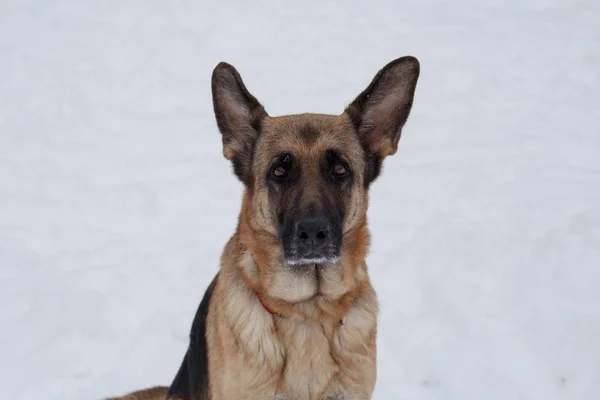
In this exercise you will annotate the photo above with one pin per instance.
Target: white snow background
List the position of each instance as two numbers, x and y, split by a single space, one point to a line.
116 201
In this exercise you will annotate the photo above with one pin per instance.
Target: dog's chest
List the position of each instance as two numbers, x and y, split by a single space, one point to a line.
263 356
309 365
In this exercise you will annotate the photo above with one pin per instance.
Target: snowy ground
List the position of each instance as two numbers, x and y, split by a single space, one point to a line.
115 200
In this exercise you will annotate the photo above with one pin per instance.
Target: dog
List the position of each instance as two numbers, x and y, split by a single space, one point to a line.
291 314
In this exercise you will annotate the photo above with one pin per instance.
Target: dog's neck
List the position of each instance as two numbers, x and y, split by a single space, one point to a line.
266 307
307 292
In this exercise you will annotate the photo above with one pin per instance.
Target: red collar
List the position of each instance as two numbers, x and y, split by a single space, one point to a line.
269 310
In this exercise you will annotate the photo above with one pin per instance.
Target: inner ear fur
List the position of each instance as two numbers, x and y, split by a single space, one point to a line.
381 110
239 115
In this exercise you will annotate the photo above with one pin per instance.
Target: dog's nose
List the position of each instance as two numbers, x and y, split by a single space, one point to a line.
312 239
312 230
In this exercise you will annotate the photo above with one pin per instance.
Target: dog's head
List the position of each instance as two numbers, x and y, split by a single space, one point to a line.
307 175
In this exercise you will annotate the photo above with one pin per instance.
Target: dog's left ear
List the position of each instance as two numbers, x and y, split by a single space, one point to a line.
239 116
380 111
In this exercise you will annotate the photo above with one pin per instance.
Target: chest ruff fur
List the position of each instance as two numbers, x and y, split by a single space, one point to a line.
323 348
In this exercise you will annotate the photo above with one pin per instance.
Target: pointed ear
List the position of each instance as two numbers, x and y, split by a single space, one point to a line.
239 116
380 111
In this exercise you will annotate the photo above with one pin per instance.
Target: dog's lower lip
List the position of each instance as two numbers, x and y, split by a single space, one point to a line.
311 260
305 260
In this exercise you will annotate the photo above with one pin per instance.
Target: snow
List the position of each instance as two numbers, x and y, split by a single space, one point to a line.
115 200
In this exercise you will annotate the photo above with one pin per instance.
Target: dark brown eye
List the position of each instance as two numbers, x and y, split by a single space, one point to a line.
279 172
339 170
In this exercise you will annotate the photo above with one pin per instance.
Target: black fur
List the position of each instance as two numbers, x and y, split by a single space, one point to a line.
191 382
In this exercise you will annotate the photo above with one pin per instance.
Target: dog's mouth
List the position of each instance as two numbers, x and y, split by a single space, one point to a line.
311 260
299 254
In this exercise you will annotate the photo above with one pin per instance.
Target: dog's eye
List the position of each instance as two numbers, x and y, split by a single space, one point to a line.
279 172
339 170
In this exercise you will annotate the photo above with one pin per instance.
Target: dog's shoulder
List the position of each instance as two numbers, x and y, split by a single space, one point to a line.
191 381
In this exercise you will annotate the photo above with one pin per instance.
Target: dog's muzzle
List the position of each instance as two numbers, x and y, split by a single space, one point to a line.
312 240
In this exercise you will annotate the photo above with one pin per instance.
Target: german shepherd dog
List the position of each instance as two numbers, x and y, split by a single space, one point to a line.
292 314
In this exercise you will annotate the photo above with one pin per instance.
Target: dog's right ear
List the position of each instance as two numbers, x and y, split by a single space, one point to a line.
239 116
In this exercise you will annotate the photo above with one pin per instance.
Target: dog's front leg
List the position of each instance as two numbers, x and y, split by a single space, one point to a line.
347 396
340 392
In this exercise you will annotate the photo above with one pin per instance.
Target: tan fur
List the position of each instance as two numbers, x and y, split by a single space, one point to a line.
323 346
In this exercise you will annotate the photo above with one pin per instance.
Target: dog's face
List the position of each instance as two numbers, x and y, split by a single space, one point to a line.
307 175
308 184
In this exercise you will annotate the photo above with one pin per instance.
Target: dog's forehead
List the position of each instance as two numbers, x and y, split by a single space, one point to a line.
307 134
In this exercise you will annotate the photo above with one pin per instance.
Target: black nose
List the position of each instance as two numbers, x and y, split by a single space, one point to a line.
312 229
